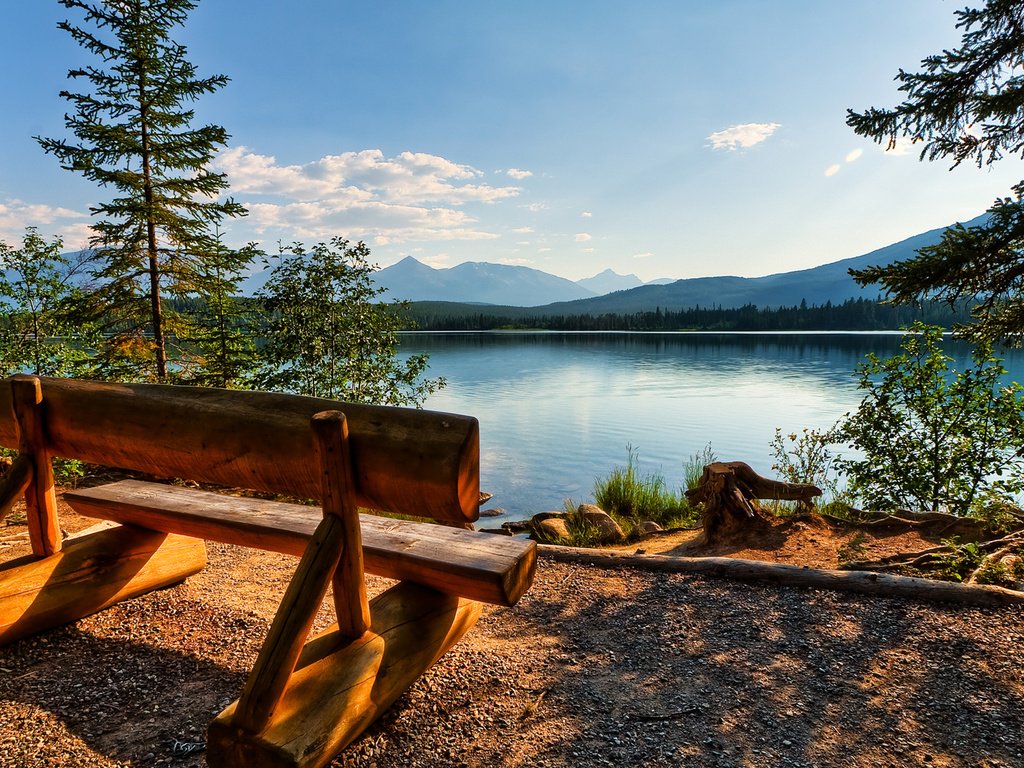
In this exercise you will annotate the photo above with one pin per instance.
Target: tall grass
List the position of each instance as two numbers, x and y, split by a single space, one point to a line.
631 496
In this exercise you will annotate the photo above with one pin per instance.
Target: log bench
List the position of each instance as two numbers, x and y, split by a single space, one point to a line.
305 699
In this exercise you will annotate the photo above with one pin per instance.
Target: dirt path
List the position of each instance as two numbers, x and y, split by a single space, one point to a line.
592 668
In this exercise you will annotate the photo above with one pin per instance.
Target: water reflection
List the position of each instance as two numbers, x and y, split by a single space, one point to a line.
558 409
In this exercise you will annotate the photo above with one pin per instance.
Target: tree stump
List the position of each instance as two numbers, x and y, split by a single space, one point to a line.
729 491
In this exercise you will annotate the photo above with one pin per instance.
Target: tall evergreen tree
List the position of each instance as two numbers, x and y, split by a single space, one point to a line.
135 135
967 104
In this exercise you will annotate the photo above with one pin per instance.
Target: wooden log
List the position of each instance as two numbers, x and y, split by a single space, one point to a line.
403 458
480 566
350 604
14 483
864 582
40 494
339 688
729 491
94 570
290 628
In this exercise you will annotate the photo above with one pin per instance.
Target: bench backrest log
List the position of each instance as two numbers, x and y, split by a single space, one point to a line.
404 460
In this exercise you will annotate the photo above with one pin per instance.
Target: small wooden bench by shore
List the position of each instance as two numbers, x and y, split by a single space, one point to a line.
304 700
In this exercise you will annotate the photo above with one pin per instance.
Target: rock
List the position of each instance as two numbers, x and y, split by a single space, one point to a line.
648 527
516 526
546 515
495 512
551 530
608 530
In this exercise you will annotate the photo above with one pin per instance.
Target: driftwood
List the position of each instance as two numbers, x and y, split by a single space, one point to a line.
729 492
864 582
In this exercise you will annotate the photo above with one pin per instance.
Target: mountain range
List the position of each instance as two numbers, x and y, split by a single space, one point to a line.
500 284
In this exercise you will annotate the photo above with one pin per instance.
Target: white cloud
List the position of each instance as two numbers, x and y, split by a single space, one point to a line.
517 174
588 250
644 255
582 237
902 145
543 250
366 195
745 135
855 154
586 215
73 227
535 207
833 169
519 262
523 230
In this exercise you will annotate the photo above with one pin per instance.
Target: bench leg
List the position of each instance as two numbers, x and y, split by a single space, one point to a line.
94 570
340 686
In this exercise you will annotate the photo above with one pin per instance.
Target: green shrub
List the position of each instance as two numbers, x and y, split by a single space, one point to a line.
961 562
930 437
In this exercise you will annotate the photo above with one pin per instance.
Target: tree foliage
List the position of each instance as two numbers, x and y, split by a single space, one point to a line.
219 332
135 136
327 335
37 332
932 438
966 104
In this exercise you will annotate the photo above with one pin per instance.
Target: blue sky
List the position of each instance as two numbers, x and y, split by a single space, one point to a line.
665 139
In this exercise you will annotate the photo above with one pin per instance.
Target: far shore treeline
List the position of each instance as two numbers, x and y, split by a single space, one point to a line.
852 315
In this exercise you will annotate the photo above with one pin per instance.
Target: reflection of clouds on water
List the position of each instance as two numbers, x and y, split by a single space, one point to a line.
556 410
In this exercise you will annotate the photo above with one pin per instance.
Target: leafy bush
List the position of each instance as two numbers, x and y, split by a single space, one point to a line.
807 457
930 437
961 562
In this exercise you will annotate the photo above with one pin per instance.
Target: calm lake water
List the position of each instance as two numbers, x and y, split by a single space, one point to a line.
557 410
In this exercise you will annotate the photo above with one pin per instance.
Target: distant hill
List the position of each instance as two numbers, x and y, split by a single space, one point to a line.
818 285
608 281
476 282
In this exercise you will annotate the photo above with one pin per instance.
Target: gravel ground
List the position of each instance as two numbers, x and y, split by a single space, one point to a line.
593 668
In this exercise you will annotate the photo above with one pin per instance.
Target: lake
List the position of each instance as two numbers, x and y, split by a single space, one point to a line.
557 410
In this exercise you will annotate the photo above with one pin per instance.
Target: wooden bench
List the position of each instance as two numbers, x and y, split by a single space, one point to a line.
303 701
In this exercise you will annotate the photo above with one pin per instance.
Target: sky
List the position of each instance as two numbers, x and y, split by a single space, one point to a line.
663 139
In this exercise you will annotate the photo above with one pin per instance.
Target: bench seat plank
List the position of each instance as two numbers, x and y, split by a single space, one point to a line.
479 566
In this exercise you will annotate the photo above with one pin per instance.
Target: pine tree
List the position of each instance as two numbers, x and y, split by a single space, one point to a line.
967 104
220 334
134 135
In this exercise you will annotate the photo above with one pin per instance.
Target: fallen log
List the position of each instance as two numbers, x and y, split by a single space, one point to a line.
863 582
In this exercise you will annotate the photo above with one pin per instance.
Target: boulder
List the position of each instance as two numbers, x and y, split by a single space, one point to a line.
551 530
648 527
495 512
608 530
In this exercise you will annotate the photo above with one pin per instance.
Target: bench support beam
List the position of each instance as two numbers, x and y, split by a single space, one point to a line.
341 686
40 495
95 569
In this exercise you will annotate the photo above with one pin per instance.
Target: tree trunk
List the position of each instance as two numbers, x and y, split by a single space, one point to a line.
729 493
